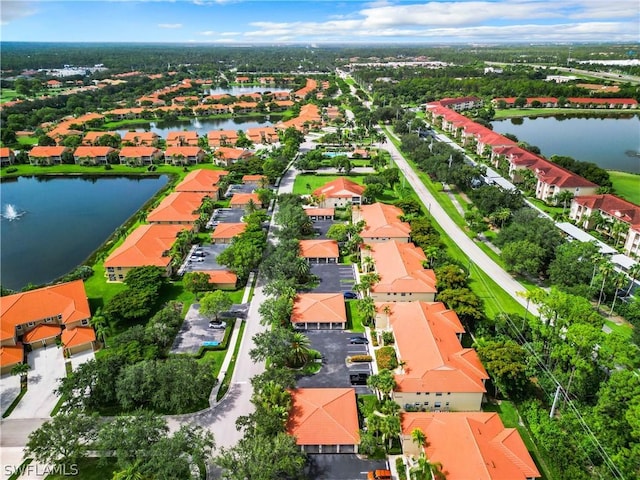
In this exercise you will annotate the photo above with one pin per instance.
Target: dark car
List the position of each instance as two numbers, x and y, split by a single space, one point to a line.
360 340
350 295
358 378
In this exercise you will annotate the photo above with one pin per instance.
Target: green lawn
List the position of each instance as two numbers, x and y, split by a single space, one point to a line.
626 185
354 317
317 180
7 94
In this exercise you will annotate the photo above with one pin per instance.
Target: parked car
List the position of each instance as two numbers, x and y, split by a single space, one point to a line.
218 325
358 340
358 378
379 475
350 295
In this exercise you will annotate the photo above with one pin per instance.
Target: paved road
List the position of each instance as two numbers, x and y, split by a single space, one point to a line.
468 246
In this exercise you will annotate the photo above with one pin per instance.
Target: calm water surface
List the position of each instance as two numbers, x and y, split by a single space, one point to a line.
61 221
206 125
612 143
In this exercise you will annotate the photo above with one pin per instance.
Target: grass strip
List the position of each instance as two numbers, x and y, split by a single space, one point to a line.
226 381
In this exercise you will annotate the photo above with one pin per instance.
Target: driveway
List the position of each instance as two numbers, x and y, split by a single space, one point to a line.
226 215
334 278
47 366
335 347
195 331
341 466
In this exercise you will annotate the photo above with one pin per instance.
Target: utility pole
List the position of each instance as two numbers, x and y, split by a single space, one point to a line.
555 402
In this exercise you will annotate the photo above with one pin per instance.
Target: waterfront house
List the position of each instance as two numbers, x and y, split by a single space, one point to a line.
183 155
178 208
140 138
7 156
182 139
47 155
147 245
92 155
140 155
202 181
222 138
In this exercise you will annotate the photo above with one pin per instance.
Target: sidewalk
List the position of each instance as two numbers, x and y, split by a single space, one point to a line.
232 345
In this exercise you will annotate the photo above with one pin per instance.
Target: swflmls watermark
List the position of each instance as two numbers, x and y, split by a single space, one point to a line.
38 470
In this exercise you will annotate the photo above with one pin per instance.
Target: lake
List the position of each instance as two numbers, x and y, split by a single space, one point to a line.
55 223
612 143
237 91
204 126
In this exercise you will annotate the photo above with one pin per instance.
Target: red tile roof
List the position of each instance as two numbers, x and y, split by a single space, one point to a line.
253 178
46 152
610 204
228 230
316 211
11 355
242 199
92 152
5 152
400 266
490 451
184 151
382 221
201 180
324 416
319 249
426 339
177 207
140 137
221 277
139 152
340 188
146 245
77 336
229 153
66 299
319 307
42 331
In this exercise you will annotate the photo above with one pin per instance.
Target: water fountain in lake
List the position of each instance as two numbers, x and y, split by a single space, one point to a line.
10 212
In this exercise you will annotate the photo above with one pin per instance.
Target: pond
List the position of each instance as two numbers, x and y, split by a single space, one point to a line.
50 225
204 126
611 143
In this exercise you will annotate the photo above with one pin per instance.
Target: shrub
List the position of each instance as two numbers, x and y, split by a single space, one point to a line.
387 338
11 170
360 358
386 358
402 471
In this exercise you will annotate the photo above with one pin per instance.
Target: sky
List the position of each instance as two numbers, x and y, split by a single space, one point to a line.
229 22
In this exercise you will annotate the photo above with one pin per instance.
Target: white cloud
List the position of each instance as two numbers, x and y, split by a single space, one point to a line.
208 33
15 10
170 25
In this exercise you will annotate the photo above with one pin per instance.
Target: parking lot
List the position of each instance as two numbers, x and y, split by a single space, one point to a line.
341 466
335 348
195 331
333 277
204 258
321 227
239 188
225 215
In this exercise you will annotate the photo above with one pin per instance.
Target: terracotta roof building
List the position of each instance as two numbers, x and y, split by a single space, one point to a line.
178 208
337 193
184 155
490 451
257 180
10 356
382 223
91 138
403 277
319 311
228 156
140 155
140 138
78 340
147 245
324 420
225 232
316 213
7 156
222 138
182 139
202 181
320 251
438 373
47 155
92 155
39 316
242 200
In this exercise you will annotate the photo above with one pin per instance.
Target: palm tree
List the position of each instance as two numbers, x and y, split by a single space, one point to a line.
634 272
419 438
426 470
367 308
299 349
390 428
501 216
101 327
619 281
368 264
21 370
302 269
606 269
131 472
619 229
563 197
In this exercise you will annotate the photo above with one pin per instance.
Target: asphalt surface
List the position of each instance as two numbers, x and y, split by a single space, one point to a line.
335 348
195 331
334 278
341 466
